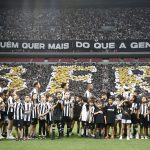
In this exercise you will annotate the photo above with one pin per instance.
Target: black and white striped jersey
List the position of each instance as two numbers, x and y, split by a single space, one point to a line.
143 109
119 110
27 111
35 91
148 116
50 109
10 103
72 109
67 108
88 94
43 108
91 114
34 111
134 107
18 111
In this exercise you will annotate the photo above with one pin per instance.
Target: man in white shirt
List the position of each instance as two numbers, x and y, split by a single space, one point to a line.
36 89
88 93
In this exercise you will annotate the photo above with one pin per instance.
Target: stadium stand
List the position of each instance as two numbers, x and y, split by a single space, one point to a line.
75 24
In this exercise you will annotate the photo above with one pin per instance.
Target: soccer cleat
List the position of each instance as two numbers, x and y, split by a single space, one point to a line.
146 137
142 137
1 137
10 138
92 135
128 138
131 136
29 138
70 133
137 136
120 138
4 134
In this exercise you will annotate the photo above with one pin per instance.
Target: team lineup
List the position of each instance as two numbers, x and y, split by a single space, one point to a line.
43 115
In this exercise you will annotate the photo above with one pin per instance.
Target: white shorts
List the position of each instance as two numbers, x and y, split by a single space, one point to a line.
126 121
119 117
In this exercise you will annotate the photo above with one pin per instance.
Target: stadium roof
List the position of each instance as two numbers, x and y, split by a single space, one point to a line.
73 3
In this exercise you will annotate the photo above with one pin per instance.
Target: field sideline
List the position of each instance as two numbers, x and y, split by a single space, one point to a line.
76 143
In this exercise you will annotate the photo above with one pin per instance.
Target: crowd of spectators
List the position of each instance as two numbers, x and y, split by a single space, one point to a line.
103 78
75 24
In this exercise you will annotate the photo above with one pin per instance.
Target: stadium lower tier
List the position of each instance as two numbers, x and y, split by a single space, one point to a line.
88 60
106 77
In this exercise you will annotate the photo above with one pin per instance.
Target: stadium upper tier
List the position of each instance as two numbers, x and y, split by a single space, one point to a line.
75 24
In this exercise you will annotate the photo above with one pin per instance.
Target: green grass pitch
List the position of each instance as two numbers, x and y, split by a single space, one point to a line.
76 143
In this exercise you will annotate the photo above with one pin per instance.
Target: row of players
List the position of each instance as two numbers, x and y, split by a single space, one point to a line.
99 118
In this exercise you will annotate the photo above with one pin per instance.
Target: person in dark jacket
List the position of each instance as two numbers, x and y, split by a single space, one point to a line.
99 119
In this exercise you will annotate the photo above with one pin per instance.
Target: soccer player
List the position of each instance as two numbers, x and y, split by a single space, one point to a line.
126 118
57 115
91 124
42 112
18 117
110 115
66 113
84 117
89 89
2 108
65 87
5 97
118 103
99 120
134 117
143 113
34 116
148 116
72 101
27 116
10 113
76 112
35 90
50 104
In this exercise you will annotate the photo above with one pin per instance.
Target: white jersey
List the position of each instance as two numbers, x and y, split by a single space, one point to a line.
91 114
27 111
84 113
88 94
10 104
63 95
35 91
50 113
126 94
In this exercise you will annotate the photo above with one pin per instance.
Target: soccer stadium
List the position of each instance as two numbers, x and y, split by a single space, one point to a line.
75 74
